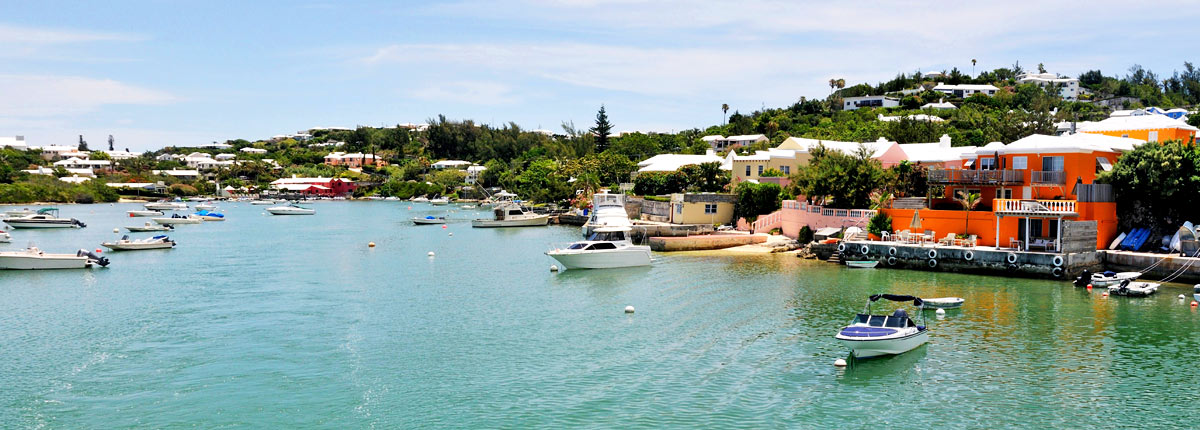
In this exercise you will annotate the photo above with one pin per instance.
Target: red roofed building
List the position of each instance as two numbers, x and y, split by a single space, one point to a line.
318 186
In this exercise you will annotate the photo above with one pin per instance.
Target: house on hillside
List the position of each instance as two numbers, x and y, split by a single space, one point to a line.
78 163
15 142
326 187
1068 88
966 90
451 164
672 162
1149 128
796 151
353 160
852 103
938 155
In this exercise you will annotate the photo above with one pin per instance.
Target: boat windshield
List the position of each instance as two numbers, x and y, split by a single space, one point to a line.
607 236
602 245
579 245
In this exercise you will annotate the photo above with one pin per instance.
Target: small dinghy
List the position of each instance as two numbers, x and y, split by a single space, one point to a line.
429 220
125 244
944 302
148 227
877 335
137 213
864 264
1133 289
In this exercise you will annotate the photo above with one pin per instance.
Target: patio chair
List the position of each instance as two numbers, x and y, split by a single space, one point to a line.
885 236
971 241
948 240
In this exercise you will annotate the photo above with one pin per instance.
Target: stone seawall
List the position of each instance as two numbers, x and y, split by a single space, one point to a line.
697 243
983 260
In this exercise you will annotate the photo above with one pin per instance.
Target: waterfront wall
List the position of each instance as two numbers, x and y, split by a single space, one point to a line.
1187 268
988 261
796 214
696 243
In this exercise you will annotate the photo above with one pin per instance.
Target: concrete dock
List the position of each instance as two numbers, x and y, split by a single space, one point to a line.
1183 269
983 260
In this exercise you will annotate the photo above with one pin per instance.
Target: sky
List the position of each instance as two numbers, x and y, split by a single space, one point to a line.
161 73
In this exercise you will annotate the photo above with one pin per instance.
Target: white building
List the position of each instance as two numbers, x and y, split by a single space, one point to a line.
80 163
224 157
473 173
51 152
216 145
938 154
122 155
50 172
852 103
966 90
719 143
672 162
941 105
178 173
451 164
1068 88
252 150
202 161
15 142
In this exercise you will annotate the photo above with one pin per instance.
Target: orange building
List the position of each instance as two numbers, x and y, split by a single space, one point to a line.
1027 189
354 160
1146 128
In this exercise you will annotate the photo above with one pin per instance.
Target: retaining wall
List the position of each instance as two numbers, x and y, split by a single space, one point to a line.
971 260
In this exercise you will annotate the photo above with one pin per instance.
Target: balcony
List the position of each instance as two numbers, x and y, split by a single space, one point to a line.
977 177
1034 207
1047 177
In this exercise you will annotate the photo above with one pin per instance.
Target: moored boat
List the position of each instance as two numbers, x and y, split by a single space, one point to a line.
878 335
606 248
44 218
440 201
33 258
149 227
862 264
210 216
264 202
166 206
1106 279
125 244
17 213
428 220
4 237
206 206
291 209
507 212
179 219
608 210
944 302
1133 289
137 213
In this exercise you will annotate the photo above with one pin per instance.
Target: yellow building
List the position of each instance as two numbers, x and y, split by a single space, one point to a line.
796 151
702 208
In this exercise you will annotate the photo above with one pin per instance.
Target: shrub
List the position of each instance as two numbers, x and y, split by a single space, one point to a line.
805 235
879 224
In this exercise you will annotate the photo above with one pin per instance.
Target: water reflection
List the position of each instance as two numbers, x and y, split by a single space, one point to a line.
895 368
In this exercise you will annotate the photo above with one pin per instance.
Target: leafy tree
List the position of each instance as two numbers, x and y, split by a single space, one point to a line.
602 130
756 199
846 180
1156 186
968 201
907 180
879 223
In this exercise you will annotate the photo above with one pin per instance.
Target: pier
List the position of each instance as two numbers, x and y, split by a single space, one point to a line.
982 260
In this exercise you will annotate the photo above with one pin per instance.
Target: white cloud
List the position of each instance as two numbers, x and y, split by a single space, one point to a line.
47 96
468 92
10 34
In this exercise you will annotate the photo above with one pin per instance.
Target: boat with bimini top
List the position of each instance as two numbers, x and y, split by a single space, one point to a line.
877 335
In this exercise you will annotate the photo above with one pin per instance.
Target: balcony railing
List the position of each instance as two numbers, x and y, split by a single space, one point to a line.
1045 177
1049 207
981 177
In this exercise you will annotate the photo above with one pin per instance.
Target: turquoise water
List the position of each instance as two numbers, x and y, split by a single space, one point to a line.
293 322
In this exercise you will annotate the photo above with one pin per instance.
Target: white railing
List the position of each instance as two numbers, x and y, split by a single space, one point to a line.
769 221
1049 206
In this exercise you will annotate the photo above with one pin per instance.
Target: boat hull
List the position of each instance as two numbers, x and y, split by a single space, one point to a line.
138 246
1099 280
606 259
423 221
31 262
145 213
876 347
944 303
145 229
274 211
862 264
41 224
173 221
536 221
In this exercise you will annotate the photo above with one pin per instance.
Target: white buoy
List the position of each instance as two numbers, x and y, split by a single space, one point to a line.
1181 297
629 309
553 268
940 312
117 230
430 253
451 235
841 362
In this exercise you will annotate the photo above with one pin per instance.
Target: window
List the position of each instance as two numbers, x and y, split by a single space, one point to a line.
747 170
679 208
760 169
1004 194
603 245
710 208
1102 165
987 164
787 170
1020 163
1153 136
1052 164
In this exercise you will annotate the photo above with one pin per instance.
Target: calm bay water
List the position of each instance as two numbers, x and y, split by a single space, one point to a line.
293 322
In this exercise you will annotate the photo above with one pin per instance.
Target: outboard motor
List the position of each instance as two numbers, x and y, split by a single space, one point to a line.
1084 278
78 223
1124 288
96 259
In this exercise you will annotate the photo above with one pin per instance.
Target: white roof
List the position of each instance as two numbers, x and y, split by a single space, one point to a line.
253 150
297 187
476 168
672 162
877 148
176 172
143 185
451 163
712 137
747 137
74 179
1079 142
939 105
73 161
217 146
918 117
226 156
936 152
1137 122
972 87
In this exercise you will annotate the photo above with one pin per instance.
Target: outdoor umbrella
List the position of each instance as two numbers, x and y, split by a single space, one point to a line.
915 226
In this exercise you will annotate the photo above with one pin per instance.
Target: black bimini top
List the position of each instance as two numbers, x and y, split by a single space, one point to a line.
899 298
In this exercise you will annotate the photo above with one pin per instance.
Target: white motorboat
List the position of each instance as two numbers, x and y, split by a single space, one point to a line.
178 219
1106 279
206 206
440 201
877 335
35 259
291 209
265 202
608 210
166 206
944 302
607 248
17 213
507 212
391 198
4 237
137 213
1196 292
429 220
149 227
44 218
125 244
862 264
1133 289
468 206
421 199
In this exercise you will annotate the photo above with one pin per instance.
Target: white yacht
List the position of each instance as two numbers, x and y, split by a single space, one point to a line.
34 259
440 201
44 218
291 209
206 206
178 219
264 202
149 227
606 248
509 213
126 244
608 210
166 206
876 335
421 199
137 213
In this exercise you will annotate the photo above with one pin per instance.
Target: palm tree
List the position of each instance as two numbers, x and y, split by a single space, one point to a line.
841 83
972 67
832 85
724 110
881 201
968 202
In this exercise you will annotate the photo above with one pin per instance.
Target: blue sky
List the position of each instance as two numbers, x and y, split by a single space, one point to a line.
159 73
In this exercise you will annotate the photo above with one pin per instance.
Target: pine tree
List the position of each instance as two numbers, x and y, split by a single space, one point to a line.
601 130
